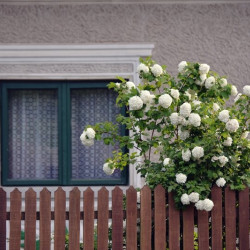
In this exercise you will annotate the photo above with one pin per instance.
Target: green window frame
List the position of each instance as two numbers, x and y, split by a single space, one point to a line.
64 132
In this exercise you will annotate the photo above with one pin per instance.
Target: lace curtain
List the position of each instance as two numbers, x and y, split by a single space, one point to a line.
33 133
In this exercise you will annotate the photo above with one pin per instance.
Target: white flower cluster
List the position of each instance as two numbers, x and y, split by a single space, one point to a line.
246 90
193 197
216 107
197 152
237 97
130 85
224 115
87 137
175 93
206 205
244 135
234 91
196 103
181 178
221 182
181 66
210 81
203 70
223 82
106 168
142 68
203 78
232 125
135 103
186 155
166 161
183 134
174 118
156 70
194 119
185 109
165 100
147 97
228 142
222 159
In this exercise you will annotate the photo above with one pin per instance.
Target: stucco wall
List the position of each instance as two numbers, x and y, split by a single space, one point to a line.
218 34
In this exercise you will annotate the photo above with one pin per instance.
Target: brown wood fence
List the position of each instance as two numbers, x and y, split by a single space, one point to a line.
161 226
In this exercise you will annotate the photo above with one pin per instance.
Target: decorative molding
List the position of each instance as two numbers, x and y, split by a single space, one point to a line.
82 62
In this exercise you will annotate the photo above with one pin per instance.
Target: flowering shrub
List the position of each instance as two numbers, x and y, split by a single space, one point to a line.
187 139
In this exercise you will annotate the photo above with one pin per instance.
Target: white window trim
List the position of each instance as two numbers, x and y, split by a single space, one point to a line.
103 61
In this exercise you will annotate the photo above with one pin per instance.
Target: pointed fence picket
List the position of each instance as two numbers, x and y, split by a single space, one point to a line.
156 218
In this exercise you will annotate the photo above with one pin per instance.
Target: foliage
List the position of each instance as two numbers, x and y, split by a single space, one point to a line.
157 134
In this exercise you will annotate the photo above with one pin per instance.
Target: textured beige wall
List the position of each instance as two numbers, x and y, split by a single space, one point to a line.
217 34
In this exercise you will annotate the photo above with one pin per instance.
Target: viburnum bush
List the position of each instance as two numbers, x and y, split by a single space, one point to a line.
185 135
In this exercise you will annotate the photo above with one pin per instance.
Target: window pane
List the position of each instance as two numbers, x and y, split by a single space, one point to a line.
89 106
33 134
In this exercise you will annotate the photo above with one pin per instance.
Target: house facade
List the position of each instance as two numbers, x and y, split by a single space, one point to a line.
65 46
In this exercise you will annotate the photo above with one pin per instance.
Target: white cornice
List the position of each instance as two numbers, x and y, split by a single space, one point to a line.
73 53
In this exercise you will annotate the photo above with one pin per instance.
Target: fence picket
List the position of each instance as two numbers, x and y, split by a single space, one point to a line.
230 219
203 230
30 220
45 219
216 195
131 219
188 228
117 219
74 219
15 219
3 207
160 218
88 221
146 220
174 224
244 218
103 215
60 207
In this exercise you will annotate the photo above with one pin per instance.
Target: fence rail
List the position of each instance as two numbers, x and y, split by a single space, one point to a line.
161 225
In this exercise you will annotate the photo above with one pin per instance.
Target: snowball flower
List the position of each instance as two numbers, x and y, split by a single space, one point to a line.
181 178
221 182
90 133
223 160
130 85
185 109
185 199
183 134
165 100
223 82
174 118
107 170
214 158
204 68
156 70
228 142
210 81
166 161
86 141
202 79
142 68
234 90
199 205
188 95
232 125
208 205
186 155
118 85
237 97
182 121
224 115
197 152
175 93
194 197
194 119
216 107
135 103
245 135
246 90
196 103
181 66
146 96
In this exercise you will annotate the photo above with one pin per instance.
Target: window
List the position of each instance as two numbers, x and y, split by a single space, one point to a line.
41 125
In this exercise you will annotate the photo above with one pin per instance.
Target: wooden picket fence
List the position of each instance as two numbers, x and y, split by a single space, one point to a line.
162 226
